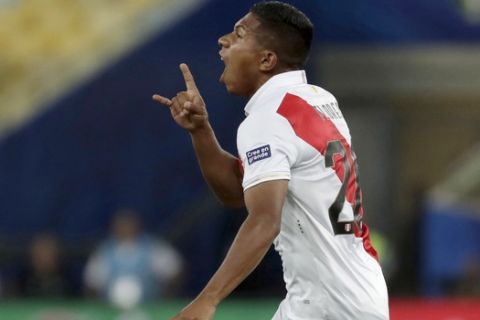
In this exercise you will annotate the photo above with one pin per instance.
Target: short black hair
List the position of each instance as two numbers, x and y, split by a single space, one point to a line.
286 30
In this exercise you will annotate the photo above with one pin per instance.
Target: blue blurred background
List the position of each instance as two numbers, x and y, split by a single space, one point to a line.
80 136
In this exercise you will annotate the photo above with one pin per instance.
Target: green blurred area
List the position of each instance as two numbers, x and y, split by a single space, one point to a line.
89 310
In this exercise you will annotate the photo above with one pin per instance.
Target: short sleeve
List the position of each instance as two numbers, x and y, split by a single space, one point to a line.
266 148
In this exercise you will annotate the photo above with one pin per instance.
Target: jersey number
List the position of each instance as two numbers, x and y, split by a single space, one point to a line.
336 148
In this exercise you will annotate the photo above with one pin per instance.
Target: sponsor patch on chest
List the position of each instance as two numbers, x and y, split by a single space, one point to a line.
258 154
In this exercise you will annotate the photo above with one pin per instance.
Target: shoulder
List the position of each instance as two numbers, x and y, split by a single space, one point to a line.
262 119
264 124
308 93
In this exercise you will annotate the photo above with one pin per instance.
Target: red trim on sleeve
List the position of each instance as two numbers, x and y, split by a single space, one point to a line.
240 166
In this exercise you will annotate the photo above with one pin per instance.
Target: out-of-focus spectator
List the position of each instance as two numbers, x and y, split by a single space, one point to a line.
44 274
131 266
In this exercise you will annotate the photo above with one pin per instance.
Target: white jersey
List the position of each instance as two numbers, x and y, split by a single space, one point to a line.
295 131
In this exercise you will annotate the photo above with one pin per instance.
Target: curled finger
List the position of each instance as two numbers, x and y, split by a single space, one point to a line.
163 100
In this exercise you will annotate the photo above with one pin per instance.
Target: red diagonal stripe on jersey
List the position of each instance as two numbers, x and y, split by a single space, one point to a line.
317 130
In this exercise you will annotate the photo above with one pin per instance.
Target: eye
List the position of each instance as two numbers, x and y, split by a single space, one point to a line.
239 32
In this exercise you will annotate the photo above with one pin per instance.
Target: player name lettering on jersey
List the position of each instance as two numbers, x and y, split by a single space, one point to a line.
329 110
258 154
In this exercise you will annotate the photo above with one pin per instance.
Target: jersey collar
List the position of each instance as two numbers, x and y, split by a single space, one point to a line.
284 79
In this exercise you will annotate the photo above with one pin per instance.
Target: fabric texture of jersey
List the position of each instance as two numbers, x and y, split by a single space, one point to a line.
295 131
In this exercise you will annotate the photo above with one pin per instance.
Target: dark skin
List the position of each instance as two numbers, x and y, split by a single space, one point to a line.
248 65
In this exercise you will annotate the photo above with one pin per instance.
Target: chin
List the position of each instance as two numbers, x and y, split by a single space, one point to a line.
230 86
226 83
229 89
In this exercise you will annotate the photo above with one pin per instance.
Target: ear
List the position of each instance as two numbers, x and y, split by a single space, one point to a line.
268 60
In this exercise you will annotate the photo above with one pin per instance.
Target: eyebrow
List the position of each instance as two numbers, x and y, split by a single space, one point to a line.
238 26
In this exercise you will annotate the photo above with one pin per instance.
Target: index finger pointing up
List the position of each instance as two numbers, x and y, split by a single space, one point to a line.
187 75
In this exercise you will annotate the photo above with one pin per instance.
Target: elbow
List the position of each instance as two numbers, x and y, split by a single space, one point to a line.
232 202
271 228
276 229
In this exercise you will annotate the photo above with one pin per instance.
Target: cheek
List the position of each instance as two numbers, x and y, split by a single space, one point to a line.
238 80
243 69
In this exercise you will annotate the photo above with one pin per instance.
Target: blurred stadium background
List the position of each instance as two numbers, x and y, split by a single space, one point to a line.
80 137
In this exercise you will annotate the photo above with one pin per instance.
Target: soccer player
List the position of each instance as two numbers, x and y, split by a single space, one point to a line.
296 174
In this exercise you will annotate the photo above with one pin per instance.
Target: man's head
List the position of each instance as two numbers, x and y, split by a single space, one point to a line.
45 254
286 31
126 225
273 37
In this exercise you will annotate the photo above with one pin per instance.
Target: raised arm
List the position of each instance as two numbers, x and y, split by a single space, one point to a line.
264 203
219 168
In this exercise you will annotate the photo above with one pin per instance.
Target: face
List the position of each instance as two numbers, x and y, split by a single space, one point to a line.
44 255
125 226
241 53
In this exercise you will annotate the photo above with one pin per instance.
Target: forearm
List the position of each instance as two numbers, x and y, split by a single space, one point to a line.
219 168
253 240
264 203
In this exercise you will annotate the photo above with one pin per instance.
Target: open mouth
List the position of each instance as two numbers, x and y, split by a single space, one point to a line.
221 53
222 58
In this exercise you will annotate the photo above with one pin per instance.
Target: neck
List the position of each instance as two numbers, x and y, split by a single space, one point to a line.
265 77
260 82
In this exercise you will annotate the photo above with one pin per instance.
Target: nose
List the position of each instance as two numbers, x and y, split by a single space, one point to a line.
223 41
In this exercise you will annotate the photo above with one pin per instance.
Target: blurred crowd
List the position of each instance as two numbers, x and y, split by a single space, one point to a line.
131 266
128 267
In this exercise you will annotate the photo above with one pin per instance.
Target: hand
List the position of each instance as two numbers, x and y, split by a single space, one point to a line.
199 309
187 107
